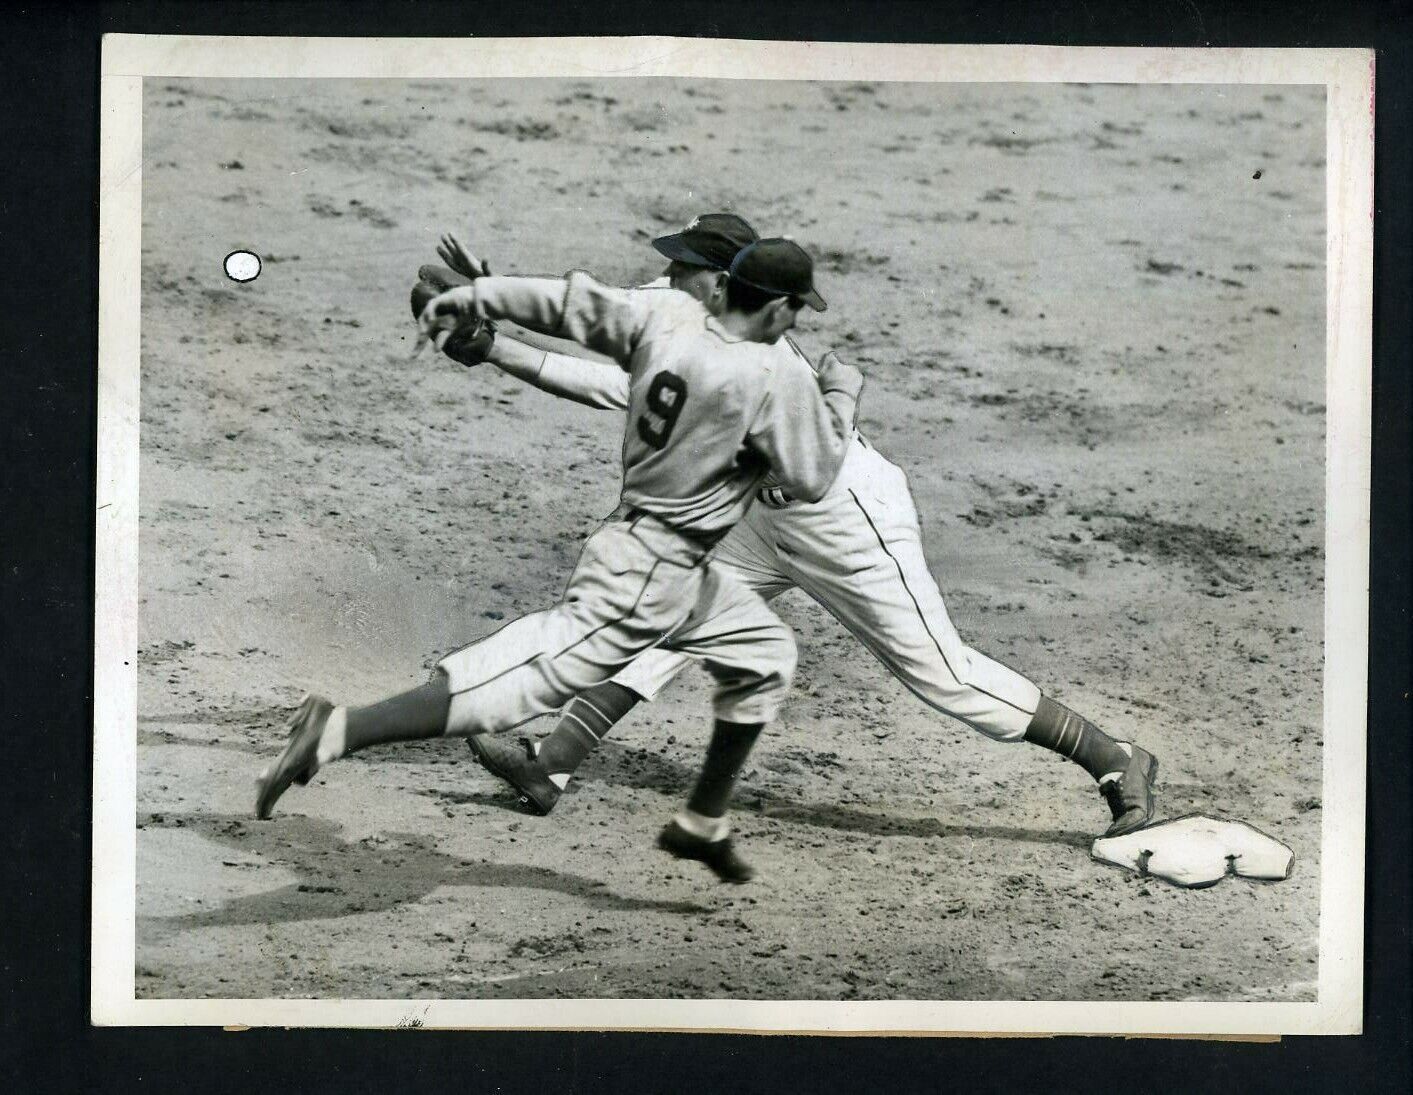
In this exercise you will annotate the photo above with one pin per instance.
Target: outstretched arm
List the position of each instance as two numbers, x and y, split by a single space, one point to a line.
592 383
553 365
610 321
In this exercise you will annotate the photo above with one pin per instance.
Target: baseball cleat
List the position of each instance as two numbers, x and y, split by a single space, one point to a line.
299 761
517 765
719 855
1130 794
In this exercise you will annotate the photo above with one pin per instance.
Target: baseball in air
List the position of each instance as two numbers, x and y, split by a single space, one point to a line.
242 266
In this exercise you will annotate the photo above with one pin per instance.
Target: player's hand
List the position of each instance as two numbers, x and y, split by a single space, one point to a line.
442 314
837 375
444 309
461 260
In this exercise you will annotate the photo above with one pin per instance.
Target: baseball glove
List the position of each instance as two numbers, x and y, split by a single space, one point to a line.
432 281
441 278
470 341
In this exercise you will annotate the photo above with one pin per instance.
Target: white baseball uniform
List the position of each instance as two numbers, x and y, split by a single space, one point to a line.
858 552
709 416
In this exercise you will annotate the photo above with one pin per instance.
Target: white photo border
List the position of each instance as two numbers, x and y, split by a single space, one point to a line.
1348 78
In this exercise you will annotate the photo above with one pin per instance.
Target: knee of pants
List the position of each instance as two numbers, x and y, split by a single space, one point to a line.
774 668
780 656
991 698
755 693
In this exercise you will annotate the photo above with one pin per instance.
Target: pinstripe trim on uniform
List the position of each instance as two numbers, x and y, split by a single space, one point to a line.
922 616
545 654
790 341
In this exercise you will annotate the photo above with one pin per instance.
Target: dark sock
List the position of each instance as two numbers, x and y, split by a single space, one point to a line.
730 745
584 723
1071 735
409 716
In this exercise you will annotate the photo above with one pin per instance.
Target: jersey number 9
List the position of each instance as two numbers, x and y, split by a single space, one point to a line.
666 396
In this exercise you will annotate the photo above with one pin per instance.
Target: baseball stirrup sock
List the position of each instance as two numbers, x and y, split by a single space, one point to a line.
585 722
1071 735
730 745
414 715
710 829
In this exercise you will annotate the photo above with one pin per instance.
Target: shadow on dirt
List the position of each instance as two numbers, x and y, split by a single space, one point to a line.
831 816
640 769
646 771
339 878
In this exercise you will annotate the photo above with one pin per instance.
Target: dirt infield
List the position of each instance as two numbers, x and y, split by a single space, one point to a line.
1092 321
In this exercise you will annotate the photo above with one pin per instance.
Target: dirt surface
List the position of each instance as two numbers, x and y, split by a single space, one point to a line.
1092 320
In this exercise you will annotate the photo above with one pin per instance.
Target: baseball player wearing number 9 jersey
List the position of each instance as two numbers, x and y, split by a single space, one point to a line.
711 412
857 551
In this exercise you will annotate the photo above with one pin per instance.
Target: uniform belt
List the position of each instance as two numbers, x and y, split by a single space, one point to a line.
705 541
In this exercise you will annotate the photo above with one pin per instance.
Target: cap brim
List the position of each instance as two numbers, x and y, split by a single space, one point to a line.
814 300
675 248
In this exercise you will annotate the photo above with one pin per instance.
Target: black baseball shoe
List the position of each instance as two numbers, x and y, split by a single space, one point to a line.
299 761
1130 794
719 855
517 765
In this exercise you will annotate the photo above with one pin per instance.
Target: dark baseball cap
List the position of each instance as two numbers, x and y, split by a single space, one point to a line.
780 267
711 240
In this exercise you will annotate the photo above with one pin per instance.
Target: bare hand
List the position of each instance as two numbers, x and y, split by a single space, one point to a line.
461 260
838 375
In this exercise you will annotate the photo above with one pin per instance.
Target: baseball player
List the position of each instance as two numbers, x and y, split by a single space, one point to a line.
857 551
711 412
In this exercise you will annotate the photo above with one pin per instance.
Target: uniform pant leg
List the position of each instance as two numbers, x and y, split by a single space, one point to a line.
748 650
745 552
620 601
859 554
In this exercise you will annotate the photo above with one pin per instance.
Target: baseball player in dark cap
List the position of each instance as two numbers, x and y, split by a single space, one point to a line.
857 551
711 412
710 242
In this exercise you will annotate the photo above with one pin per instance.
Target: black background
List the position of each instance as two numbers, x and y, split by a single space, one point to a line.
49 211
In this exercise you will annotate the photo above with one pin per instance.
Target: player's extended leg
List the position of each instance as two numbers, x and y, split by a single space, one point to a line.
751 655
873 577
321 733
622 598
540 770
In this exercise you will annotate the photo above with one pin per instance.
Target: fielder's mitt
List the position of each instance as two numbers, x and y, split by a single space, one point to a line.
470 341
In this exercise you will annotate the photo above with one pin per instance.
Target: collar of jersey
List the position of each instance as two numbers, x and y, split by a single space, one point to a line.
714 326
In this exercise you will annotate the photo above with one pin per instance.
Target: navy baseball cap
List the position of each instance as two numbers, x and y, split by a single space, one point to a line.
711 240
780 267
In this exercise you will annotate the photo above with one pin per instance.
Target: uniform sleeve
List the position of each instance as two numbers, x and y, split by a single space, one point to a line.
578 308
589 382
803 433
